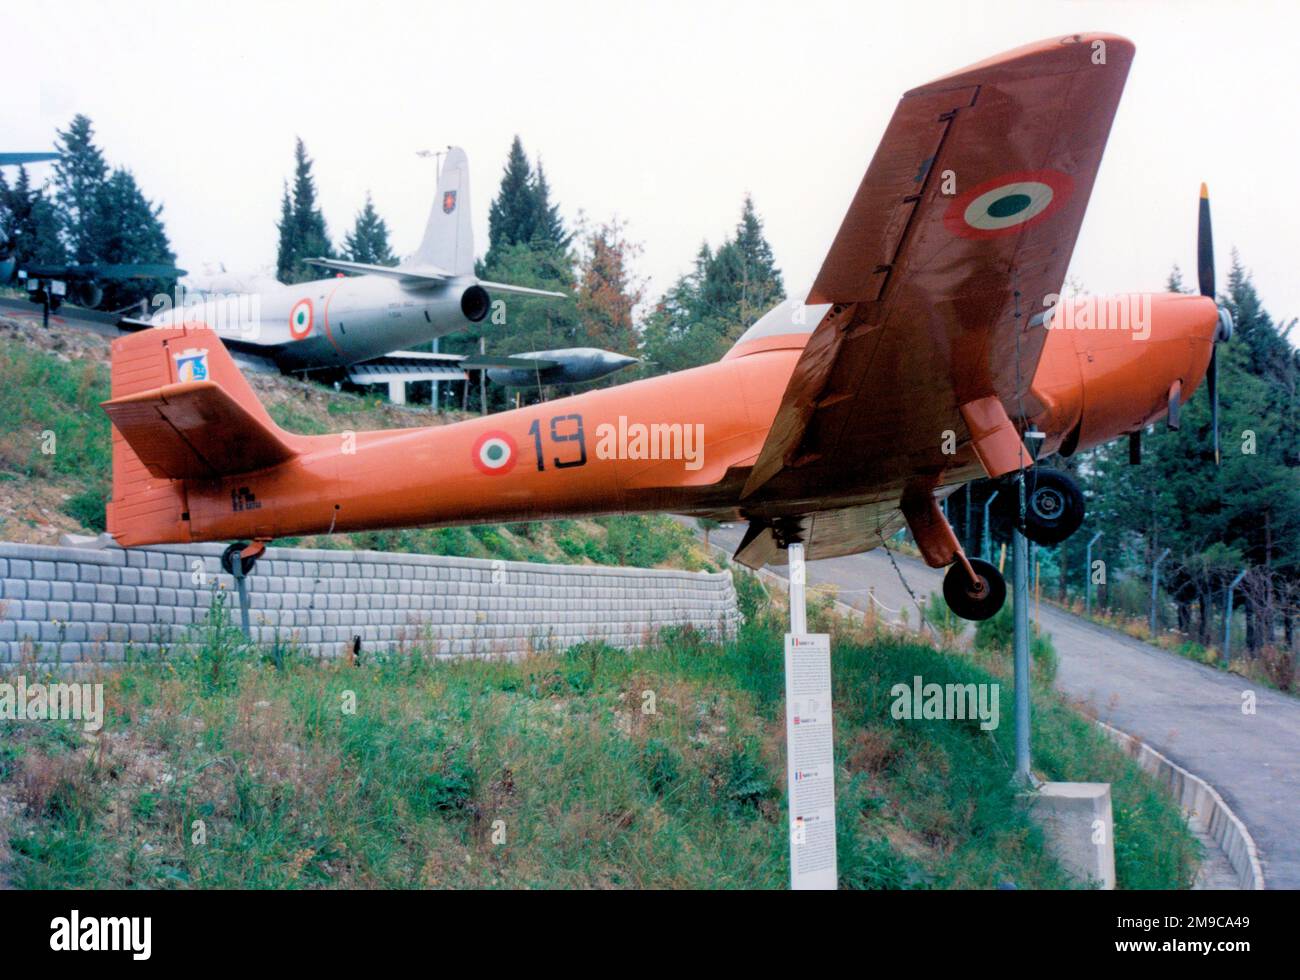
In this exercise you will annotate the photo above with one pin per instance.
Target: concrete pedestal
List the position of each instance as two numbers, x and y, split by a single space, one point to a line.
1076 819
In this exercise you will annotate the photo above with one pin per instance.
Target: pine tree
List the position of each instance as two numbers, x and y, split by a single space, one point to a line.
709 308
368 240
1174 283
547 227
307 236
129 232
512 215
1216 520
31 219
1269 350
79 174
285 255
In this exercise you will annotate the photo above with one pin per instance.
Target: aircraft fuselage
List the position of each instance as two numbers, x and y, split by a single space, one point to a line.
335 322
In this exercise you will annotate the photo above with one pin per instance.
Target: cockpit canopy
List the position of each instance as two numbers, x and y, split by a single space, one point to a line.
789 317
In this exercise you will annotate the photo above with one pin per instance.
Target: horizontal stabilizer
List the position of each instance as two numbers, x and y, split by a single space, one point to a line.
502 287
195 430
405 273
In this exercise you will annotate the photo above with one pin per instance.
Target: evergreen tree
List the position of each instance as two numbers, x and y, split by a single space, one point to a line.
79 175
285 256
522 212
681 332
130 231
1174 283
1215 519
759 282
709 308
104 216
1268 349
305 235
31 219
368 240
512 215
547 226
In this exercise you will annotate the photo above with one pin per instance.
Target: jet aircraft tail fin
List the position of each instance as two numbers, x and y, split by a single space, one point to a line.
448 238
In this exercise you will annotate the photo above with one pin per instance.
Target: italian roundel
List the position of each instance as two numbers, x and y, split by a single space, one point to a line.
1008 204
494 453
300 318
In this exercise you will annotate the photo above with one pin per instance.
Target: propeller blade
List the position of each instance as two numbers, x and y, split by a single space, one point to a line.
1212 382
1205 247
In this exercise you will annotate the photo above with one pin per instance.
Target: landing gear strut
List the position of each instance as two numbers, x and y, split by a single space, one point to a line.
973 588
976 599
238 560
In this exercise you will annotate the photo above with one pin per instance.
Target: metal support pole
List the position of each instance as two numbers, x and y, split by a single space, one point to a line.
1227 619
1155 584
1087 578
987 550
482 378
798 593
1020 610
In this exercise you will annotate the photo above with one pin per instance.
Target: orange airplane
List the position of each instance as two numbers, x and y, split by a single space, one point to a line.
933 341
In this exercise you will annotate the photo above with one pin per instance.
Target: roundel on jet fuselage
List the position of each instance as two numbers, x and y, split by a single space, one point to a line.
300 319
1008 204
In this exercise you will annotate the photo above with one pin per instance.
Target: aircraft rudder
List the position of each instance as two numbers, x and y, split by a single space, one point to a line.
448 241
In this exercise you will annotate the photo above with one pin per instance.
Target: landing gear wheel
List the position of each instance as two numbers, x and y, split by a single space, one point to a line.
1053 506
965 599
231 553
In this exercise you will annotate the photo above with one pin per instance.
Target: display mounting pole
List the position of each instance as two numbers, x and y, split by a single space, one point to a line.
1020 618
798 589
1020 610
809 740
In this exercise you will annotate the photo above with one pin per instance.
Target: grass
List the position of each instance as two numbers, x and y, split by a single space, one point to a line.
228 765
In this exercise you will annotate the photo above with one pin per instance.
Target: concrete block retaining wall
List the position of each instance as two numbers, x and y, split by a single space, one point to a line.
76 605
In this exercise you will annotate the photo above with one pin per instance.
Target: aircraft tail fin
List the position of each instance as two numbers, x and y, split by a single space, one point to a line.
448 238
181 410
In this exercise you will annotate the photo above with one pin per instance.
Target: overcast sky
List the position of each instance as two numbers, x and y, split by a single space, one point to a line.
661 114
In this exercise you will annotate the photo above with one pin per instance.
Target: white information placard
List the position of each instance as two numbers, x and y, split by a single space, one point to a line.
810 760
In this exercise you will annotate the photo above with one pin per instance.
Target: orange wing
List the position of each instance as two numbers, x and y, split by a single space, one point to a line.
961 229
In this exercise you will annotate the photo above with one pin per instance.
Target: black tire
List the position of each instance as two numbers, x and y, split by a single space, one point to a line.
1053 506
968 602
228 558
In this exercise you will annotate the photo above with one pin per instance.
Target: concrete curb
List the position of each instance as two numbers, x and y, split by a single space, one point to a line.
1201 803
